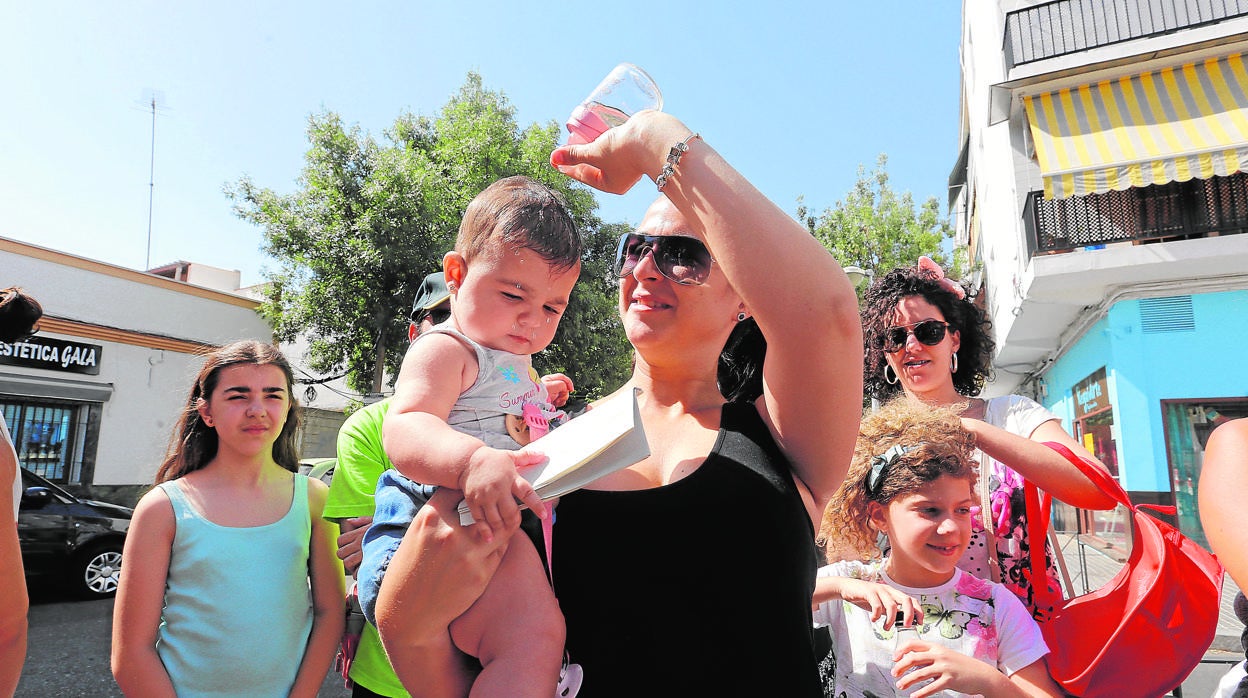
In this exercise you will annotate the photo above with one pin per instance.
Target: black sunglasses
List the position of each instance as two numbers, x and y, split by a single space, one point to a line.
440 314
681 258
437 315
929 332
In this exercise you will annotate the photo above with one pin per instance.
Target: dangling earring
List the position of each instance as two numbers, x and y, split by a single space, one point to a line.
889 370
740 317
953 367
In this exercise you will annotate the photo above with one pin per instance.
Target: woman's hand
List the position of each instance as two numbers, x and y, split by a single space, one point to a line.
621 156
439 570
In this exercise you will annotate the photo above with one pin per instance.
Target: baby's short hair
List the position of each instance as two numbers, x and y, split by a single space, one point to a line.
520 212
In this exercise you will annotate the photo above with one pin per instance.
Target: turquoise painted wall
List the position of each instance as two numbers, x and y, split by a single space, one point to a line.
1144 369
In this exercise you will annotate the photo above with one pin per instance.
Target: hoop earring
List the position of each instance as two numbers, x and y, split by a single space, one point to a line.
741 317
953 367
887 370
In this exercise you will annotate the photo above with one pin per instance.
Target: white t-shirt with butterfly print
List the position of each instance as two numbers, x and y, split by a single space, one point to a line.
973 616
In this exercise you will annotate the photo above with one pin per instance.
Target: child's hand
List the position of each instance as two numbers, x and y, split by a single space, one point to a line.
948 669
558 388
491 485
882 601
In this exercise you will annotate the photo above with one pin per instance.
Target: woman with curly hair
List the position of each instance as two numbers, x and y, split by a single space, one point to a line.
912 479
924 336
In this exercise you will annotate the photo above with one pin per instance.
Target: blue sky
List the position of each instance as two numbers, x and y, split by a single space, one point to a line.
796 94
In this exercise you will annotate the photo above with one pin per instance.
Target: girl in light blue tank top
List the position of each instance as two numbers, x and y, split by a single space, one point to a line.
230 585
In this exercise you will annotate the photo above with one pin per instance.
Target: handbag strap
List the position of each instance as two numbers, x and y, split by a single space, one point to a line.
986 518
1037 532
1038 509
1038 513
1105 482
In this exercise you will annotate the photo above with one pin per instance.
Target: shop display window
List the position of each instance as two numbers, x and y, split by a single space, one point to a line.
47 436
1188 425
1095 430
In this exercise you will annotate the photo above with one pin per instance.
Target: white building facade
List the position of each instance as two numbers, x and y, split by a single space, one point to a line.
1102 193
91 399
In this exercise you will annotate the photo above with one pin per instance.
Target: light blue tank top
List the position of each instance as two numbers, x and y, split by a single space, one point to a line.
238 607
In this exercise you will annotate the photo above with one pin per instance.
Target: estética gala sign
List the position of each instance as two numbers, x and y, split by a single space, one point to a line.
53 355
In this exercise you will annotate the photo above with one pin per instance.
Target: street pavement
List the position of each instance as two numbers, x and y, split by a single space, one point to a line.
68 645
69 640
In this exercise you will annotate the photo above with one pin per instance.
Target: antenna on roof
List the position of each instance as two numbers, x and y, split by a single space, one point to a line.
152 99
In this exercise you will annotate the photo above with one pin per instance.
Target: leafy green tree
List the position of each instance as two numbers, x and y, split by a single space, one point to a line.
877 229
369 220
590 346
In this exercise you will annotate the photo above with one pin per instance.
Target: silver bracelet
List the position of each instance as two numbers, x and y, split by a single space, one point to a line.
673 158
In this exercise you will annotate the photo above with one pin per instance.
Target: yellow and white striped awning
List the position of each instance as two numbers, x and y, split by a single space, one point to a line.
1163 126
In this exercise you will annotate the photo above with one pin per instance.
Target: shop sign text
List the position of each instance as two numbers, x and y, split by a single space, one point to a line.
53 355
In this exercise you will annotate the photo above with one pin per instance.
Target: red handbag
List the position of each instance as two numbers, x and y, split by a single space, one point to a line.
1143 632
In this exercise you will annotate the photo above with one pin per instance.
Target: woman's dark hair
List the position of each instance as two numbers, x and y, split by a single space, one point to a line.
194 444
740 371
879 308
19 314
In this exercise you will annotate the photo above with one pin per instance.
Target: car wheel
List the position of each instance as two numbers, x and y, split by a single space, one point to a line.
96 571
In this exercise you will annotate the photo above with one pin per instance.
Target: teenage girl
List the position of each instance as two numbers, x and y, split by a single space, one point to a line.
230 584
912 479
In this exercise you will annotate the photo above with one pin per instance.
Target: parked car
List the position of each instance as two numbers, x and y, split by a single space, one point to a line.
72 541
319 468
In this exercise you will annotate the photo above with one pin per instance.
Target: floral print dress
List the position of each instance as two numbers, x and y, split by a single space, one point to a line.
969 615
1008 517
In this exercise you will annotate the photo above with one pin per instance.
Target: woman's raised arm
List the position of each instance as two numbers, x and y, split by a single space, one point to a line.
791 285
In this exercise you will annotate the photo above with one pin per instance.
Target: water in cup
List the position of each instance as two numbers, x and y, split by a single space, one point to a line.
902 636
625 91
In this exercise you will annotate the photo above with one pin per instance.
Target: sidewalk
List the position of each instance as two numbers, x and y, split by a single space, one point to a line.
1101 568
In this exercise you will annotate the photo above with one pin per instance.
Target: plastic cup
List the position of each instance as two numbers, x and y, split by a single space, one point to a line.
625 91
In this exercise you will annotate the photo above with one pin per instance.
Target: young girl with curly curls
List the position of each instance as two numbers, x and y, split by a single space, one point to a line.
912 480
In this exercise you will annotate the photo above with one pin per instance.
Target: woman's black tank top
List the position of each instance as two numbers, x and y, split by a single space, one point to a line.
698 588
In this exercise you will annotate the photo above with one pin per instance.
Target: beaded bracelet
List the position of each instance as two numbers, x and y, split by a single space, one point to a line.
673 158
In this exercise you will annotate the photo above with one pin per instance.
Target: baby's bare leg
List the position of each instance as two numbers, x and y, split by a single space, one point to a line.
515 629
439 571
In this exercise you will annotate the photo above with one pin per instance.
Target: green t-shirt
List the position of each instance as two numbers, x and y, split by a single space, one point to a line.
361 460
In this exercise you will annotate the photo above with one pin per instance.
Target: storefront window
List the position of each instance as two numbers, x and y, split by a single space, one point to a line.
1188 425
1096 432
47 436
1094 427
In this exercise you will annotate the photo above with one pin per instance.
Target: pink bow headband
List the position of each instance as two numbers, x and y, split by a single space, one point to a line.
932 269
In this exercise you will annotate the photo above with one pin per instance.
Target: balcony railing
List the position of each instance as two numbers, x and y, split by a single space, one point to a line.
1069 26
1178 210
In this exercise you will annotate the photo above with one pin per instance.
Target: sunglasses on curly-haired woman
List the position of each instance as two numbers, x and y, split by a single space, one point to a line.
928 332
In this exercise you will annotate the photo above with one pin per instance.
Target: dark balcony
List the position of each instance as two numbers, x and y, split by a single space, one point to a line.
1174 211
1069 26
